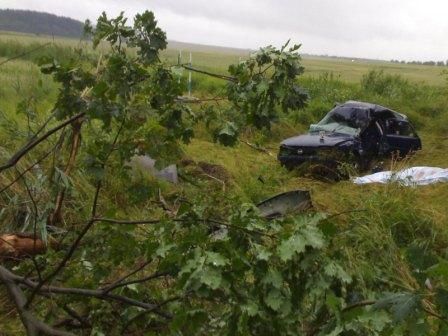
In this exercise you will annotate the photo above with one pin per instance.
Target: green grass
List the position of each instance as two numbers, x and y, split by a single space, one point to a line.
23 80
353 71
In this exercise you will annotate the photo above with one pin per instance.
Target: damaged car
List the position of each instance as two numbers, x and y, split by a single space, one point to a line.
354 131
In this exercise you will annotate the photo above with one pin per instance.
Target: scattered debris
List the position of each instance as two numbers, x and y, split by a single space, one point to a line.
408 177
288 202
147 163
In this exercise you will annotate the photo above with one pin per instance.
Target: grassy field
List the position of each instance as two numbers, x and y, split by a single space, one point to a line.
354 70
386 212
219 58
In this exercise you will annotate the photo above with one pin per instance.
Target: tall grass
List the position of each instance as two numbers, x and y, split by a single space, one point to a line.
425 105
34 51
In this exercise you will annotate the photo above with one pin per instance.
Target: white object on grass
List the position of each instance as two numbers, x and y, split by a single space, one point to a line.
146 163
408 177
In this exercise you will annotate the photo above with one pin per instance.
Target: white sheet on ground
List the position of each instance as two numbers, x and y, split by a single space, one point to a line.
408 177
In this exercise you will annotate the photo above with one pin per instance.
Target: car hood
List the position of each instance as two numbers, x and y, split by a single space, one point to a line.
316 140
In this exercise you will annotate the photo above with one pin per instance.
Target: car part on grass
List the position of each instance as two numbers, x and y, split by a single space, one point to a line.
285 203
353 131
409 177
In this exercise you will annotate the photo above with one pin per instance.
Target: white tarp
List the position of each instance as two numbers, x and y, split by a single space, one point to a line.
407 177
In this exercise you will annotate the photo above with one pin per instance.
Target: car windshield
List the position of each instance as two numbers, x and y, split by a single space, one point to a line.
345 120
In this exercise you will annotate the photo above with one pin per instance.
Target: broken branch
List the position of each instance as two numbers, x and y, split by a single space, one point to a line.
36 141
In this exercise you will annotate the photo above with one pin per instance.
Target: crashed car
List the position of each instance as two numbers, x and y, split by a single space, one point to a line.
354 131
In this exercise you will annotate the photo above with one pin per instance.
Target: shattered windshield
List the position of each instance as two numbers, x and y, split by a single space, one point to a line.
345 120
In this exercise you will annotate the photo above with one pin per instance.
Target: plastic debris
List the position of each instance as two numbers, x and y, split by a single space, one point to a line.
288 202
146 163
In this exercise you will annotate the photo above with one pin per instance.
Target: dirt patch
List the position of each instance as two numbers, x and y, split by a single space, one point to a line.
206 169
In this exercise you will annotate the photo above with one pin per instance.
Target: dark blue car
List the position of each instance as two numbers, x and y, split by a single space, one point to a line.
352 131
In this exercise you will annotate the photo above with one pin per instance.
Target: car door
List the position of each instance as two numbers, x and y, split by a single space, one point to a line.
401 137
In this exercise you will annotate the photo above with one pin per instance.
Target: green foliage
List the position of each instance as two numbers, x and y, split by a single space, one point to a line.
266 81
262 86
255 282
382 84
130 96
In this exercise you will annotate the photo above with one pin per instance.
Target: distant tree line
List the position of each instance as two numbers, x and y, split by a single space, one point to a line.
433 63
32 22
358 59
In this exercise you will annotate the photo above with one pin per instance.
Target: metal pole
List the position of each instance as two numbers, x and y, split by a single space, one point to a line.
189 77
179 62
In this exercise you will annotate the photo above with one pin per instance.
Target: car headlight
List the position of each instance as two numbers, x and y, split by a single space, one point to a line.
284 150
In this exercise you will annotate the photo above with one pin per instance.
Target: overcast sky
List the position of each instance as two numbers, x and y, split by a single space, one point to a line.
383 29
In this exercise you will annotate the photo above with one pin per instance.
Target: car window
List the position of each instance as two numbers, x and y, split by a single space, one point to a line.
398 127
334 128
348 116
345 120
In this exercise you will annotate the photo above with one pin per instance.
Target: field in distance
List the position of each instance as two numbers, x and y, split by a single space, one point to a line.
219 58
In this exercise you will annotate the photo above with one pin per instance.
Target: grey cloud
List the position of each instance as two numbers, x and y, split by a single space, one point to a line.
408 29
340 20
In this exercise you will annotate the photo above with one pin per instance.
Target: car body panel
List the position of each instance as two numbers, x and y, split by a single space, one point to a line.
402 143
317 140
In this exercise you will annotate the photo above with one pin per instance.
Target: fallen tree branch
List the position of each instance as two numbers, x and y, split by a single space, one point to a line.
96 293
131 282
56 216
33 326
258 148
120 280
359 304
436 315
224 77
25 53
72 249
18 177
156 221
35 141
132 320
86 228
198 101
84 323
217 180
127 222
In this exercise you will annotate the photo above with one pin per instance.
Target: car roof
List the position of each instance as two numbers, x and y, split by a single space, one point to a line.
373 108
